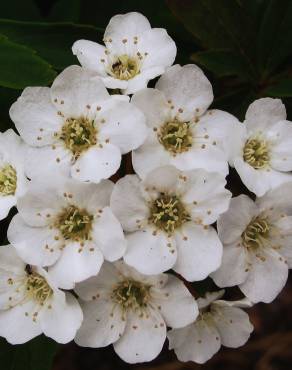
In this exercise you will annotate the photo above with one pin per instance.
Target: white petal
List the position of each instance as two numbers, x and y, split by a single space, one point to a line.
149 156
278 198
114 83
143 337
199 252
35 245
107 233
126 26
97 163
159 46
124 125
264 112
45 161
17 327
141 80
164 179
233 325
35 116
232 223
99 285
188 89
75 89
150 252
209 297
267 277
153 104
89 54
62 321
102 324
234 268
76 264
10 262
197 342
281 152
6 203
177 306
128 203
205 195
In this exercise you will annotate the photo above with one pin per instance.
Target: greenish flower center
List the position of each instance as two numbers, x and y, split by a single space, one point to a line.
37 288
8 180
176 136
168 213
78 134
256 153
75 224
131 295
256 232
125 68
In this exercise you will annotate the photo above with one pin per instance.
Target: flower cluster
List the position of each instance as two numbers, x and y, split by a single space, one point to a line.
88 258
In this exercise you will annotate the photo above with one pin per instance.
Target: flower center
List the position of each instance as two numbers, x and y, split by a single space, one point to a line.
8 180
256 232
176 136
131 295
78 134
75 224
37 288
168 213
256 153
125 68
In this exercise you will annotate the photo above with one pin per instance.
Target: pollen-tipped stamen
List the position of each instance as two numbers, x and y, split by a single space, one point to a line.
176 136
256 232
8 180
125 67
256 153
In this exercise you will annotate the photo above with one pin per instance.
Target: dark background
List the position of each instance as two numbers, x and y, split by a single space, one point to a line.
244 47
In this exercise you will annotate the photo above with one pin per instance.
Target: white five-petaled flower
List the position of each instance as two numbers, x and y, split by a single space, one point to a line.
31 303
167 219
133 54
257 240
13 182
181 131
75 127
219 323
132 311
262 146
67 225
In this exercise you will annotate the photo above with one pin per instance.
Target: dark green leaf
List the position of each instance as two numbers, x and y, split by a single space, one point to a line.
52 41
25 10
37 354
281 89
221 62
65 11
7 97
21 67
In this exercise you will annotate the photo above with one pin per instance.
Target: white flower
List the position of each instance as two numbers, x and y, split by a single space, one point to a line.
132 311
133 54
262 150
31 303
180 130
76 127
219 323
13 182
67 225
257 239
167 218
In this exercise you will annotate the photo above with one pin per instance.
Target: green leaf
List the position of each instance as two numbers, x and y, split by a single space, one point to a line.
37 354
25 10
275 36
20 66
52 41
223 24
7 98
221 62
281 89
65 11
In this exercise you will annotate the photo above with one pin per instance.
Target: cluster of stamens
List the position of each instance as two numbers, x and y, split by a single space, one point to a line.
75 224
131 295
8 180
37 288
78 134
256 153
125 68
176 136
256 232
168 213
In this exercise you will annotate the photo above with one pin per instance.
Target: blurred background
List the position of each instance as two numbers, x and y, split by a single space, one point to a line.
244 47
